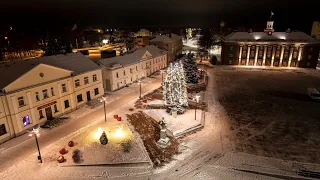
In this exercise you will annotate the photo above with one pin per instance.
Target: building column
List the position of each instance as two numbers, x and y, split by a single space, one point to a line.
240 53
248 55
300 53
29 100
14 104
264 55
33 118
290 56
256 56
273 54
281 55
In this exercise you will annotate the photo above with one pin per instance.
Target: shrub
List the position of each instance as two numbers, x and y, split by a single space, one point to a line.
77 156
126 146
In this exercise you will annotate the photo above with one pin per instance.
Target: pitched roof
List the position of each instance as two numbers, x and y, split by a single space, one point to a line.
294 36
133 57
76 62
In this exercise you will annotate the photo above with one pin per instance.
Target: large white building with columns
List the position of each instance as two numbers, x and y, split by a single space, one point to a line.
270 48
123 70
36 90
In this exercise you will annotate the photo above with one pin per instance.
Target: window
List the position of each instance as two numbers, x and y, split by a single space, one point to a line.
37 96
130 70
3 129
96 91
66 104
45 94
64 88
55 108
21 101
86 80
79 98
117 75
124 72
94 78
52 91
41 114
77 83
25 120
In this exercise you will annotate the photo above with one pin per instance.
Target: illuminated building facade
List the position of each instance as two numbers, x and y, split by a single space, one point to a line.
270 48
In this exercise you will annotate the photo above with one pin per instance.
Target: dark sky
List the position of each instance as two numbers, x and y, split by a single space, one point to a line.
155 13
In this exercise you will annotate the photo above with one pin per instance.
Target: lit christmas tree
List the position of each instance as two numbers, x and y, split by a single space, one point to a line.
191 69
175 89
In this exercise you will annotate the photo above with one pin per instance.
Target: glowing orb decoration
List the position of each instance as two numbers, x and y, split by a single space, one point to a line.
98 134
119 132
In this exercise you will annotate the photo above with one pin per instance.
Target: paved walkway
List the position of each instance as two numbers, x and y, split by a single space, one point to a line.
21 147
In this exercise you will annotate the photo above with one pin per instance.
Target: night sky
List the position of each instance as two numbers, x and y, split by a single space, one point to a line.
297 15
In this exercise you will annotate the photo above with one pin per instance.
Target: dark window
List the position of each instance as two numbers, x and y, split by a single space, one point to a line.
79 98
66 104
41 114
117 75
94 78
124 72
77 83
45 94
21 101
55 108
25 120
86 80
96 91
64 88
3 129
37 96
52 91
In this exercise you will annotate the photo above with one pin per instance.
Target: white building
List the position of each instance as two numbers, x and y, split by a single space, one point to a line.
36 90
122 70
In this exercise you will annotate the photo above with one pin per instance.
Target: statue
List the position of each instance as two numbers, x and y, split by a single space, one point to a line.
164 140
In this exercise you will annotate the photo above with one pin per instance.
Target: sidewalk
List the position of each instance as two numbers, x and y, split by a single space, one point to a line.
10 151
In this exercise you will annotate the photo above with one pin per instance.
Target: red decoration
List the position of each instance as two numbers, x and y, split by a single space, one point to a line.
119 118
60 159
115 116
145 101
63 151
71 144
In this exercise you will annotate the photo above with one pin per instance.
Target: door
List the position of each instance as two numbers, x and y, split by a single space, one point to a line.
88 96
49 113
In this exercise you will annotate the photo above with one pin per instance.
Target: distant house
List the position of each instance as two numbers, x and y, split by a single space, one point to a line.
40 89
171 43
143 33
315 31
123 70
141 41
270 48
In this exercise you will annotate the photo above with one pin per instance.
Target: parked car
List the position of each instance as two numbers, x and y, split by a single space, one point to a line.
313 93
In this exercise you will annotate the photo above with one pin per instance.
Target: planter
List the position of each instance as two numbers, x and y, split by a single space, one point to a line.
63 151
71 144
60 159
119 118
115 116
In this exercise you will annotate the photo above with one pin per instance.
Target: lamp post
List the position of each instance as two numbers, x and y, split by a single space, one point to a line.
162 72
139 81
104 106
36 134
195 110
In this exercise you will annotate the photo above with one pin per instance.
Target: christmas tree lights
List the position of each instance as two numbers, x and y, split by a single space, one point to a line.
175 89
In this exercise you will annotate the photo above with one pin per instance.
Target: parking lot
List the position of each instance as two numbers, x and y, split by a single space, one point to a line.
269 112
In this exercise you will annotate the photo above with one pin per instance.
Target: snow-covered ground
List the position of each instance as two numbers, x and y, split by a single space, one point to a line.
178 124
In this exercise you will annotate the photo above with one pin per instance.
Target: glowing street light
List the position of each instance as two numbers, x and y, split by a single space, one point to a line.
139 81
195 110
105 41
35 132
103 99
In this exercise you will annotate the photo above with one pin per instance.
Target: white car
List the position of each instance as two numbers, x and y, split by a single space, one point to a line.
313 93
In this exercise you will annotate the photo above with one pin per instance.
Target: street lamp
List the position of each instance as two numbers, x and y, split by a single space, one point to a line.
105 41
103 99
195 110
35 132
139 81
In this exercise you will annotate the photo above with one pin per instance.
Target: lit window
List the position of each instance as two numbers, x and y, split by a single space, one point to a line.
52 91
64 88
25 120
96 91
77 83
45 94
21 101
86 80
66 104
79 98
94 78
37 96
3 129
41 114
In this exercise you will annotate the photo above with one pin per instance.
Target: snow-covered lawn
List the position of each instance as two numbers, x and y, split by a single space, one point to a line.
269 111
155 102
179 124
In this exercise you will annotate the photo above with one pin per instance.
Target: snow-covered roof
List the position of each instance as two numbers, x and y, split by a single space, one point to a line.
75 62
295 36
165 38
133 57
